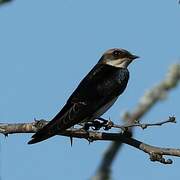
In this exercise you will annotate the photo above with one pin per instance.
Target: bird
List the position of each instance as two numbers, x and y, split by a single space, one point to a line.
94 95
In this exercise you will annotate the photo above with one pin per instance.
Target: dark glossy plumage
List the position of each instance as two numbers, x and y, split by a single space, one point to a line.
96 93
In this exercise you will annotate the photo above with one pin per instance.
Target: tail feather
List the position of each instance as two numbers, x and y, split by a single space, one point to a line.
65 119
38 137
50 129
55 125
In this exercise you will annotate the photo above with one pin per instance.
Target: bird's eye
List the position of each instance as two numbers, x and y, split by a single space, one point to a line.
116 53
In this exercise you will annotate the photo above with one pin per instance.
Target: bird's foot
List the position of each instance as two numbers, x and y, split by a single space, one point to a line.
106 124
98 124
86 126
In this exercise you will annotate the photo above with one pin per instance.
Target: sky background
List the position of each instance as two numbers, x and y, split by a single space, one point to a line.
47 47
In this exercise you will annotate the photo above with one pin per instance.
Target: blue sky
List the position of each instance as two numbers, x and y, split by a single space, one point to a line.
47 47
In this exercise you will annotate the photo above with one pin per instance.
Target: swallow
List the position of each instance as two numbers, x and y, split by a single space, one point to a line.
95 94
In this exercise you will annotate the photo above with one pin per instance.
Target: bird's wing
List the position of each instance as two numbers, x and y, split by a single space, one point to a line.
66 118
75 110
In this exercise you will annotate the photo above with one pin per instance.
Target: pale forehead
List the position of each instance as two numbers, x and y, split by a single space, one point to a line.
110 51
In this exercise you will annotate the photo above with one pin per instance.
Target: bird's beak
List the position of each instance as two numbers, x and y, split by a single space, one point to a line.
134 57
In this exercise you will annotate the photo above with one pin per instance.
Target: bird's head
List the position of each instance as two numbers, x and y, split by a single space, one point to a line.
119 58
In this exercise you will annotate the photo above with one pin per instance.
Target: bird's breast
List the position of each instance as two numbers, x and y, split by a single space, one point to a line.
114 84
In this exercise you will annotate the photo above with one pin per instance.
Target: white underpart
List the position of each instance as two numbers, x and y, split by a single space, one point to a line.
120 63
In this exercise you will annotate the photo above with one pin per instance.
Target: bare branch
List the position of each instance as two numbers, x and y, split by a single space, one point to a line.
152 97
155 153
38 124
125 127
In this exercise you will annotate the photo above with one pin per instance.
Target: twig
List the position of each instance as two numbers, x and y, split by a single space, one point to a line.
108 124
143 125
155 153
150 98
33 127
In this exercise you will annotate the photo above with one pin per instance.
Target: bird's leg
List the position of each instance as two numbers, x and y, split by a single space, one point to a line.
107 124
97 124
85 125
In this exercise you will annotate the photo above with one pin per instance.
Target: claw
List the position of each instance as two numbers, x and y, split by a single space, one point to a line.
98 124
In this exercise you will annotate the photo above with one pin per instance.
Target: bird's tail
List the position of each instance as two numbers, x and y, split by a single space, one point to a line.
66 118
48 130
52 128
41 136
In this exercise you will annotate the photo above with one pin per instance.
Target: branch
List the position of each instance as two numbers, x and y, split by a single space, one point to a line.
150 99
35 126
125 127
155 153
